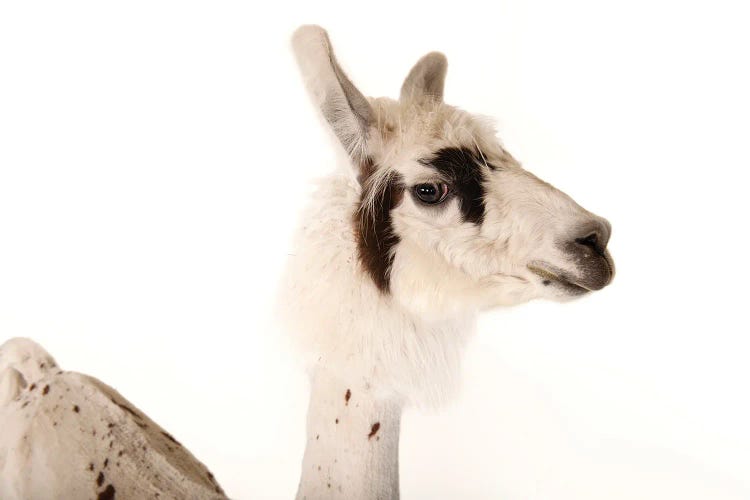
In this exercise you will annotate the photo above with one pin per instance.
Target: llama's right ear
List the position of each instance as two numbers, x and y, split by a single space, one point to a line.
426 79
343 106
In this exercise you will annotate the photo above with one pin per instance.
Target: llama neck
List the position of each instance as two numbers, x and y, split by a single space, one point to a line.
352 441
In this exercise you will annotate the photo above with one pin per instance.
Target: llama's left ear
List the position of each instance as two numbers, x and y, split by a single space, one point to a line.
344 107
426 79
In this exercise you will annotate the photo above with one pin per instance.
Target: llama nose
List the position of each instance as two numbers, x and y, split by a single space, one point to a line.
589 252
594 236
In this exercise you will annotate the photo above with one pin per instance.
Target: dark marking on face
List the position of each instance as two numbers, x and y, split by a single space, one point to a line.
25 404
595 266
546 282
106 462
170 437
100 479
374 430
107 494
317 437
347 396
373 228
119 453
32 387
45 391
91 466
76 408
337 420
461 168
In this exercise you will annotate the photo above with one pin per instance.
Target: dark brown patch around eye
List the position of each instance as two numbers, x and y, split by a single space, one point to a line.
462 168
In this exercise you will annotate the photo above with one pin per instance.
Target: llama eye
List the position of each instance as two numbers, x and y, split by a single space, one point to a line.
431 193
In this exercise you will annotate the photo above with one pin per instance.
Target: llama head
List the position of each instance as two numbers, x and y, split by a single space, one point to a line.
448 221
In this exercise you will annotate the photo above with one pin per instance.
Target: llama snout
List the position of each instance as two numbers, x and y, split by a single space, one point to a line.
587 248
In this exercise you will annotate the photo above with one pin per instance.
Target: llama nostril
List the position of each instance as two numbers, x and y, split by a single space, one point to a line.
591 241
596 238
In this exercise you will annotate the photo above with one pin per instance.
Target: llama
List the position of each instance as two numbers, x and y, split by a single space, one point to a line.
429 222
67 435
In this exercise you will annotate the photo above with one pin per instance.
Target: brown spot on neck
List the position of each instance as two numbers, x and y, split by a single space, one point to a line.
374 430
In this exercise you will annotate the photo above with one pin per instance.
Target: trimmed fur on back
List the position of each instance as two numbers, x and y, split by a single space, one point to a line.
67 435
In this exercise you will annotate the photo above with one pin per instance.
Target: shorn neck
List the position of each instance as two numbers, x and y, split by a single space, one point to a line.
352 441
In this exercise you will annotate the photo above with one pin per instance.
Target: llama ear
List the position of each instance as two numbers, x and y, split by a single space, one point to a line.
343 106
426 79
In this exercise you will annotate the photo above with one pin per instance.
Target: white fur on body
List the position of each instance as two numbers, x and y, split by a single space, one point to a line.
68 435
404 343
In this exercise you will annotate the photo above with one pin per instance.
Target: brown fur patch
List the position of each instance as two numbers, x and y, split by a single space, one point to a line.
374 231
461 167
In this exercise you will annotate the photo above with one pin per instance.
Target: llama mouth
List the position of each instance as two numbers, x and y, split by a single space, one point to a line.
552 275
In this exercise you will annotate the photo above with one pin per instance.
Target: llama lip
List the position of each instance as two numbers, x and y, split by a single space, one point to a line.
552 274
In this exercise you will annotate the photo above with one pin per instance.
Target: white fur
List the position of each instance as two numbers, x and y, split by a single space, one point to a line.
407 344
60 430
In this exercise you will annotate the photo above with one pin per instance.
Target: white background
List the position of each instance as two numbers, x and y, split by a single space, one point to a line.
154 157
